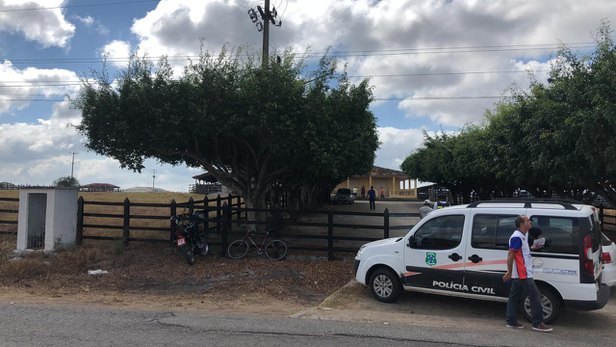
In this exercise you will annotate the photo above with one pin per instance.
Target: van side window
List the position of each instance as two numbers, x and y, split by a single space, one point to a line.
492 231
440 233
562 234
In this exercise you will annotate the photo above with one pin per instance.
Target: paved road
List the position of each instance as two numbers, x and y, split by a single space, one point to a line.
46 325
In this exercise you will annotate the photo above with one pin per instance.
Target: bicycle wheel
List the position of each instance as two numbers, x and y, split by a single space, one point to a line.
237 249
276 250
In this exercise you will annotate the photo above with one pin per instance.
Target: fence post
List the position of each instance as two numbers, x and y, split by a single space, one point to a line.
330 235
218 214
206 208
191 205
126 222
79 235
230 203
226 226
239 211
386 223
173 212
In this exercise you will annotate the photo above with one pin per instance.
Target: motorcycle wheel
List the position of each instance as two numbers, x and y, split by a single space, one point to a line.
188 253
203 248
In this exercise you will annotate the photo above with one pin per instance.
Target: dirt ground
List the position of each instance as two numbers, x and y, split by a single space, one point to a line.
155 276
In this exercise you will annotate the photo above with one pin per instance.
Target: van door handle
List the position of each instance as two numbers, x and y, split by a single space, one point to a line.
475 258
455 257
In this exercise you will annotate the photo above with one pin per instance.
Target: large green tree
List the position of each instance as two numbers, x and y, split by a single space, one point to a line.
557 138
256 130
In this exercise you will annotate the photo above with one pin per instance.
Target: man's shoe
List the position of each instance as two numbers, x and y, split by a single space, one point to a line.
515 325
542 327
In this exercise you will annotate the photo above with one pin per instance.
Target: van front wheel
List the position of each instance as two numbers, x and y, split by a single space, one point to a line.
550 302
385 285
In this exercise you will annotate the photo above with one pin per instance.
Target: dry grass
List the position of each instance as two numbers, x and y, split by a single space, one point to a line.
158 270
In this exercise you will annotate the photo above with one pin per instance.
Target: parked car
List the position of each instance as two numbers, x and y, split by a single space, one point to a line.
462 251
609 261
344 196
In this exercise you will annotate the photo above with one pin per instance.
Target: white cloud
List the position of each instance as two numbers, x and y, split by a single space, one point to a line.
87 21
396 38
396 145
409 40
35 141
39 153
90 22
175 27
18 86
45 26
117 52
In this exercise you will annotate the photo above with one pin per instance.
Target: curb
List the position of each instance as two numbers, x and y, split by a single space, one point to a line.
323 305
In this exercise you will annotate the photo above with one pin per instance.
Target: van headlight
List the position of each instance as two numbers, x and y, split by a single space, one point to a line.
361 250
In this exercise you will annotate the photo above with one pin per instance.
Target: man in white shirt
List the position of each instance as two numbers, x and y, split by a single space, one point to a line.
520 272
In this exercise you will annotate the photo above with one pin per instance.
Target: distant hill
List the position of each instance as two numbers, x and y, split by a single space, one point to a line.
144 190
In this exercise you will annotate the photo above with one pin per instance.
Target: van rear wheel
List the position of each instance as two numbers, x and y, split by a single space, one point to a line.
385 285
550 302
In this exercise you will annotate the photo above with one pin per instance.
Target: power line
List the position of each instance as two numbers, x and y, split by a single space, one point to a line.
410 98
75 6
340 54
38 85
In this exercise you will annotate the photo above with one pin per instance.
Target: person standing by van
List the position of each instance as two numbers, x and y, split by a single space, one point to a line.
425 209
520 272
372 197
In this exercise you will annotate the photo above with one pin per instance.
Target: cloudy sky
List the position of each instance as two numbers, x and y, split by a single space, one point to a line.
434 64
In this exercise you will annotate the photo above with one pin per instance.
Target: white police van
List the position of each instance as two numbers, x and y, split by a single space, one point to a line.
462 251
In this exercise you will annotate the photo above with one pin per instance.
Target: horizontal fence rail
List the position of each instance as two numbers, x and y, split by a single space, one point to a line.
227 218
9 210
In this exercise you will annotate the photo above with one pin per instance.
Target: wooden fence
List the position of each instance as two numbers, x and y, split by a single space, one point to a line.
9 210
325 231
140 221
226 218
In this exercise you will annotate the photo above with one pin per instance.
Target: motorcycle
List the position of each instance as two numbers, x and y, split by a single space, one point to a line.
188 240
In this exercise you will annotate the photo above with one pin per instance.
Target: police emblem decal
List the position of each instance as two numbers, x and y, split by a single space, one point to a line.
431 258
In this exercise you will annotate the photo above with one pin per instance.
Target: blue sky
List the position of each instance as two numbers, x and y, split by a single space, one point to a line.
433 64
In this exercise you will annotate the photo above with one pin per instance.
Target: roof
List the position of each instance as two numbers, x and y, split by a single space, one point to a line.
144 190
99 185
383 172
206 177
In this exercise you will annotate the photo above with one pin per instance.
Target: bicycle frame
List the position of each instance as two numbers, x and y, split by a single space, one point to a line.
260 247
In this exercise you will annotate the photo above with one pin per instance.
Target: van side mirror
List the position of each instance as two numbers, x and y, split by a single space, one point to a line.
412 242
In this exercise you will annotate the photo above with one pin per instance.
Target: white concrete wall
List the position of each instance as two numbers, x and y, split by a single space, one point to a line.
60 217
64 232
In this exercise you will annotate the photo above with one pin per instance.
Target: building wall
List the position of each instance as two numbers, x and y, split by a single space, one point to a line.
59 216
390 185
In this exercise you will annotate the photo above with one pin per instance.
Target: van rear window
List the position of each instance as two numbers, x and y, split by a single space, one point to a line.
562 234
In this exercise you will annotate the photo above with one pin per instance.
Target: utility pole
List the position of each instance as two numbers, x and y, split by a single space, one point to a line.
262 24
265 58
153 178
73 163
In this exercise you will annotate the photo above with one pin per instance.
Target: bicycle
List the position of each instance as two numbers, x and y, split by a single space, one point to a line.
273 249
